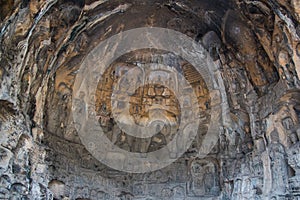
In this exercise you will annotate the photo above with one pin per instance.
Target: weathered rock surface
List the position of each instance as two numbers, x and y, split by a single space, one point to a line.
256 46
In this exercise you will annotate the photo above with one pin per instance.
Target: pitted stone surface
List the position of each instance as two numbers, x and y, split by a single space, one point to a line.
255 49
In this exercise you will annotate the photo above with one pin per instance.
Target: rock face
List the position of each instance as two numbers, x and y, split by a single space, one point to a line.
256 48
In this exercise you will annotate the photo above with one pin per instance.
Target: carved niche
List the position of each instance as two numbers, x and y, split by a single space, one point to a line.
278 165
204 178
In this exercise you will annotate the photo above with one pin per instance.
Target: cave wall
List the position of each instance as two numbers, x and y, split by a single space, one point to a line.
255 45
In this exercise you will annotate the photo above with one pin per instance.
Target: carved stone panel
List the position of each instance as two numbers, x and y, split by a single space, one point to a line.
204 178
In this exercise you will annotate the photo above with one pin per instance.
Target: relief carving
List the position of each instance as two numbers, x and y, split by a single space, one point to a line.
204 178
278 165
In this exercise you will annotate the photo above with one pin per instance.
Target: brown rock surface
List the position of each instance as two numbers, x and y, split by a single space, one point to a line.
255 50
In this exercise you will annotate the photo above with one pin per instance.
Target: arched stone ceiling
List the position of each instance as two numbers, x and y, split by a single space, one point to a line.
255 46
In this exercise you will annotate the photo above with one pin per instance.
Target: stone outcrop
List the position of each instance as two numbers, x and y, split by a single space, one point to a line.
255 46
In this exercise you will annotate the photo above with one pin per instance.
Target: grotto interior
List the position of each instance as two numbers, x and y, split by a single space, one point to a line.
253 100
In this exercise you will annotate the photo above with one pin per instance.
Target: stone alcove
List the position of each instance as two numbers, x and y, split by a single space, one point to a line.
255 48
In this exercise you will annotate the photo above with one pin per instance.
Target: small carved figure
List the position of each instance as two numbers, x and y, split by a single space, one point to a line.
278 165
224 142
208 180
287 123
294 138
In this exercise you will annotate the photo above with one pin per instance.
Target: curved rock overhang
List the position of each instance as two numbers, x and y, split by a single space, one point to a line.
254 48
